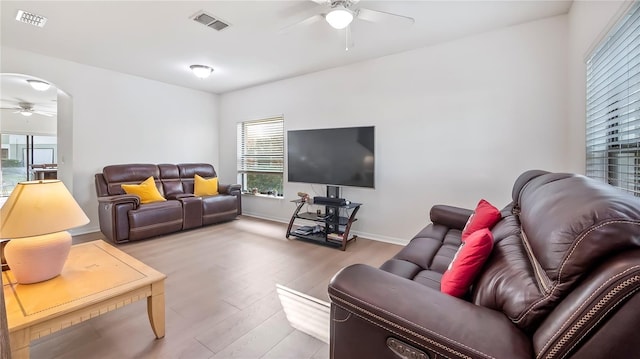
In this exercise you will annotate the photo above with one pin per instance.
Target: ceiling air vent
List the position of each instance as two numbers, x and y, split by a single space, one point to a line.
31 19
210 21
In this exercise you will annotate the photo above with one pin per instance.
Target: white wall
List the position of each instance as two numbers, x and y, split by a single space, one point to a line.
119 118
454 123
588 23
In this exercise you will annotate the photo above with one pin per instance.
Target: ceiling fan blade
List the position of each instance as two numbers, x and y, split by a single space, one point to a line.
381 16
346 3
43 113
307 21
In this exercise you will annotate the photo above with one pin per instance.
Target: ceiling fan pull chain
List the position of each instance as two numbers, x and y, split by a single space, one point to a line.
347 38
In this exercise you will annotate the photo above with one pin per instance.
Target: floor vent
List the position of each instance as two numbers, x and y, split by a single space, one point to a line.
210 21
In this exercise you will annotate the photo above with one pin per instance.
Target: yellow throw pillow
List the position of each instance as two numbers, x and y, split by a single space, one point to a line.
147 191
205 187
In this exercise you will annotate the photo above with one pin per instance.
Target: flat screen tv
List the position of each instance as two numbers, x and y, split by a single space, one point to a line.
332 156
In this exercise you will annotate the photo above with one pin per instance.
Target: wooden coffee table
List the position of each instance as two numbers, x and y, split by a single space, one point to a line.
97 278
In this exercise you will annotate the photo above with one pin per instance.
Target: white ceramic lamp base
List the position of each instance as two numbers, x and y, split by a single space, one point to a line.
39 258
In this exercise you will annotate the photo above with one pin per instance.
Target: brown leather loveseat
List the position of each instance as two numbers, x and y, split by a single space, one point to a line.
561 281
123 218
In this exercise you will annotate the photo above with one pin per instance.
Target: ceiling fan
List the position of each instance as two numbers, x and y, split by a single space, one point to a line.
26 109
340 14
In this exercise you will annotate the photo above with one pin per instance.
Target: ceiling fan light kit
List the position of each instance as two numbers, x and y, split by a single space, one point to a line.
340 17
342 14
39 85
201 71
26 113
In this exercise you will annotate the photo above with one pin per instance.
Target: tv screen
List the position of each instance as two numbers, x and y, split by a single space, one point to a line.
333 156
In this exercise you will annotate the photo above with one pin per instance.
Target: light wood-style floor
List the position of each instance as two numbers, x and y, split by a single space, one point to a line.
221 299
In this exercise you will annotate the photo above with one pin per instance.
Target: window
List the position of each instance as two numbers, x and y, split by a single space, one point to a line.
20 156
613 106
261 155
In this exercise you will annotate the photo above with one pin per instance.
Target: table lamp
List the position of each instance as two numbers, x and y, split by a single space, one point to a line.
35 218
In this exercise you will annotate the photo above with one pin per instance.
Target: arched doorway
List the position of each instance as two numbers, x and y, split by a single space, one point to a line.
28 130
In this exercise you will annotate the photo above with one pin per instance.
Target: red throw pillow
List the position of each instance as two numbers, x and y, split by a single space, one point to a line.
485 216
467 263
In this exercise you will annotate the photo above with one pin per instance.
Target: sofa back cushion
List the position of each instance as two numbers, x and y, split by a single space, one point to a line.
147 191
205 187
467 263
170 178
521 181
566 224
117 175
189 170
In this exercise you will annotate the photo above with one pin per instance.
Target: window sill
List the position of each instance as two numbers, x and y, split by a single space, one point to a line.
262 195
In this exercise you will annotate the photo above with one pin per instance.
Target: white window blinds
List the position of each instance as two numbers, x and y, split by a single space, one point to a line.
613 106
261 146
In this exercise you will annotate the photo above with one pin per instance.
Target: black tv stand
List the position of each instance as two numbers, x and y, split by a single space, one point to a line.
333 228
333 191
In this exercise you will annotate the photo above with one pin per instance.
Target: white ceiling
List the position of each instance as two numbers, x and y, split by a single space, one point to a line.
15 89
158 40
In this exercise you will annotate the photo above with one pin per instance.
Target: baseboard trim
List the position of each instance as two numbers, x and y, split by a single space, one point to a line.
84 230
266 218
372 236
380 238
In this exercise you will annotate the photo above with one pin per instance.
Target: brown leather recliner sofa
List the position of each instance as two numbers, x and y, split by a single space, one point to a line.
562 281
123 218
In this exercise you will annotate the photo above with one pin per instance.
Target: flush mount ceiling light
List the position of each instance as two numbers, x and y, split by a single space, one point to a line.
39 85
30 18
201 71
339 17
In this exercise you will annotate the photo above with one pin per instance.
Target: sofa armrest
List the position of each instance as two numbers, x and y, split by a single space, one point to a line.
450 216
229 188
121 199
180 196
234 190
388 306
113 215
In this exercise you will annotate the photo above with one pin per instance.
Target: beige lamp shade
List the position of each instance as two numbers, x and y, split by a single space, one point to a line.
35 218
39 207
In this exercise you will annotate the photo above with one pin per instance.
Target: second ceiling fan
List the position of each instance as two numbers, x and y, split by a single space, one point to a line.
26 109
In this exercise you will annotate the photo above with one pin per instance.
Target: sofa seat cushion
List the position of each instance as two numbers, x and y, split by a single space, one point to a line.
219 208
155 218
401 268
413 272
426 256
